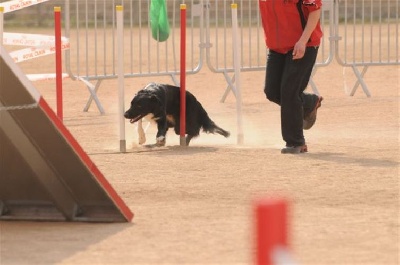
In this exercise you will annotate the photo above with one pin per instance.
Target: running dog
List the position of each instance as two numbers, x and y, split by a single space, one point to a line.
162 103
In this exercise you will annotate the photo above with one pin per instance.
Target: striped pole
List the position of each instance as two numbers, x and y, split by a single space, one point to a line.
57 32
271 225
1 24
120 39
183 77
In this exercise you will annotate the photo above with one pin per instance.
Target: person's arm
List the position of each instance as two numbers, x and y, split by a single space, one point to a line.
300 46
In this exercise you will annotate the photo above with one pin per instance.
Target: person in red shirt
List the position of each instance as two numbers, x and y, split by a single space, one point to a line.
293 35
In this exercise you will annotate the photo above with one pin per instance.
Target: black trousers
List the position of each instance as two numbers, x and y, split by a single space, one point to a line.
285 82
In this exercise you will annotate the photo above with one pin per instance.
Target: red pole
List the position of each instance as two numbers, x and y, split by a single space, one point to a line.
271 229
57 28
183 76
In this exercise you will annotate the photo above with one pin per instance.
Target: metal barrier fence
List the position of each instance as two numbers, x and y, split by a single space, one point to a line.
357 33
93 42
367 34
253 50
93 39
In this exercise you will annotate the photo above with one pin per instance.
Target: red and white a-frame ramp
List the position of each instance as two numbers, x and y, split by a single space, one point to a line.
44 173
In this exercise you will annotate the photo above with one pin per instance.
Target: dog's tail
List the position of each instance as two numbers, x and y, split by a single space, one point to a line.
210 127
217 129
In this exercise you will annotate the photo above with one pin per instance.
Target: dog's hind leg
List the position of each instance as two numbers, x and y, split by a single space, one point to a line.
188 138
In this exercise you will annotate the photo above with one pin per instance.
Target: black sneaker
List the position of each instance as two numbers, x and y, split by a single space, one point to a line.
294 149
309 120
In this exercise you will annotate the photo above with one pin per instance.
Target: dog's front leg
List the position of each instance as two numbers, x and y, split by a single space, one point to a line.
161 132
142 136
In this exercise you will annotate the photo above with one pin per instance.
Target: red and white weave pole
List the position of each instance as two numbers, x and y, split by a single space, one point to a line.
1 24
183 77
59 75
271 225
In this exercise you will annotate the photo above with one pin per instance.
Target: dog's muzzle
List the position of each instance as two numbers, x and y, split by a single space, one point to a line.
134 119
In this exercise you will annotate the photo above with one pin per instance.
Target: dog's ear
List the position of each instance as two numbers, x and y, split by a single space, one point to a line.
155 99
158 106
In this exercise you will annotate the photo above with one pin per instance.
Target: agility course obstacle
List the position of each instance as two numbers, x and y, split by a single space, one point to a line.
237 65
182 84
57 36
121 88
271 230
44 173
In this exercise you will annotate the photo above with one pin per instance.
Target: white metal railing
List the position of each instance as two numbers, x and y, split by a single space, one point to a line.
357 33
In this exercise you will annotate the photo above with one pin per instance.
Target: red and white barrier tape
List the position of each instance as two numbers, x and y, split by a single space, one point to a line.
41 45
24 39
45 77
15 5
34 52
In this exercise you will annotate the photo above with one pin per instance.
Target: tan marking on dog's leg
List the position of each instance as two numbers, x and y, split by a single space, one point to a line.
142 135
170 119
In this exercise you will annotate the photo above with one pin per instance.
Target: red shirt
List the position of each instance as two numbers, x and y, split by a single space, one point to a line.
282 24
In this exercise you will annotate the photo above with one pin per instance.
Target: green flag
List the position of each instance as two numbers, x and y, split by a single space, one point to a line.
159 20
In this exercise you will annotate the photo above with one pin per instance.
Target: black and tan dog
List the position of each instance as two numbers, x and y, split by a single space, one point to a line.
162 103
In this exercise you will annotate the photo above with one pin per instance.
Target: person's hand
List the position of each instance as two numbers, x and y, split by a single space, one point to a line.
299 50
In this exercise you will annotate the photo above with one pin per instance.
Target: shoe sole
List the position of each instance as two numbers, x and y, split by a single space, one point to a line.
294 150
309 121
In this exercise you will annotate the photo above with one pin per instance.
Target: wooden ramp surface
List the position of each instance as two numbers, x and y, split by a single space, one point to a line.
44 173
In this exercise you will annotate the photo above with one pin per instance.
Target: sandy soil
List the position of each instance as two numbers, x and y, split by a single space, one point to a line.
194 205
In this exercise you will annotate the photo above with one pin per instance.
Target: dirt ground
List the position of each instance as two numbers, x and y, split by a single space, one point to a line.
194 205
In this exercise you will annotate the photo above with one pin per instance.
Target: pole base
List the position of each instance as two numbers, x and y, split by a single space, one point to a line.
182 141
122 146
240 139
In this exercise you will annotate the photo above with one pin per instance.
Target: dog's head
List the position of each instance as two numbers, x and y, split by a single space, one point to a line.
142 104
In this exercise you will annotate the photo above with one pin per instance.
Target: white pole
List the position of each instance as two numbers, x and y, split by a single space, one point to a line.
237 64
120 40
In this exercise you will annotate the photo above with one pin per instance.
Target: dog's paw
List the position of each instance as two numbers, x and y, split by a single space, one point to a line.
142 139
150 146
160 141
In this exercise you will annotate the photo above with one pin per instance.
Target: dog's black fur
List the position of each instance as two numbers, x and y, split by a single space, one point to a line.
163 102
